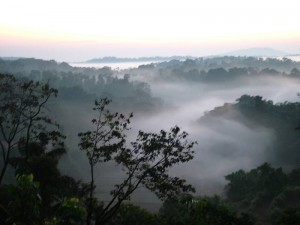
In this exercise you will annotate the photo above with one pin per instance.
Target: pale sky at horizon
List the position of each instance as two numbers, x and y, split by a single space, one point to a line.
79 30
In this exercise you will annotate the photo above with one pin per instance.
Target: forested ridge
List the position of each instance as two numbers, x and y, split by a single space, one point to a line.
60 125
281 118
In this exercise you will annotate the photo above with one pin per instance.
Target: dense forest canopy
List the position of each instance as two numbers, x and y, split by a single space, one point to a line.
242 111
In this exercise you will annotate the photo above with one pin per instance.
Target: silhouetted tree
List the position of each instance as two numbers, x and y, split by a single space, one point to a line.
21 116
145 163
101 144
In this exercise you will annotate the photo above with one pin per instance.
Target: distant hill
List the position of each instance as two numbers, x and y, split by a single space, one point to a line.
261 52
11 58
16 65
139 59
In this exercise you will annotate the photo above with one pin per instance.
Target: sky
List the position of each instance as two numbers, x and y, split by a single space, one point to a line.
76 30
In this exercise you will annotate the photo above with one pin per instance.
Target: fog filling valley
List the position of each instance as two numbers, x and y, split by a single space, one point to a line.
224 145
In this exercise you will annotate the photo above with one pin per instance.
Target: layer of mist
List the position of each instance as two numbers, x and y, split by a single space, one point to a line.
166 94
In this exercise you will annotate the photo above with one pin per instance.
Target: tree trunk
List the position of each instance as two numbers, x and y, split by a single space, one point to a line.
90 203
5 160
3 171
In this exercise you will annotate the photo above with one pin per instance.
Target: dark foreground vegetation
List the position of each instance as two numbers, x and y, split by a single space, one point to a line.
29 144
35 190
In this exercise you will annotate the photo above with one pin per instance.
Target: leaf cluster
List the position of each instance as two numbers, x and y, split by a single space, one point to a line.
108 135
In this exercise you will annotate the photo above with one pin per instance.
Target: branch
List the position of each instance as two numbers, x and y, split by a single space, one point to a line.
41 105
109 212
121 188
112 211
3 150
3 133
14 130
130 190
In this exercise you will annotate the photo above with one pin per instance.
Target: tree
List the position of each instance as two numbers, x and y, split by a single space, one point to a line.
22 118
69 212
129 214
43 164
202 210
289 217
21 203
145 163
285 207
265 192
262 182
100 144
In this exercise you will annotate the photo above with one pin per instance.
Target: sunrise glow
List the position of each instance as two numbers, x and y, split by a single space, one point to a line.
148 27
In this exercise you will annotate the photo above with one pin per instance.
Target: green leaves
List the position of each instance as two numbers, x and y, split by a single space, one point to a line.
25 201
25 206
71 212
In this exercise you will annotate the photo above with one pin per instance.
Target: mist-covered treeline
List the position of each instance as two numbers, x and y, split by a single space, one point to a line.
215 69
219 69
254 112
158 91
83 84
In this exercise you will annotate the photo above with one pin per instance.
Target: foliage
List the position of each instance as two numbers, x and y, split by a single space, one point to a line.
23 201
101 144
264 181
266 192
22 118
285 207
47 197
288 217
146 163
108 135
204 210
129 214
22 205
176 210
70 212
280 119
28 145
